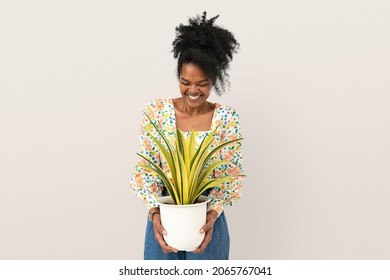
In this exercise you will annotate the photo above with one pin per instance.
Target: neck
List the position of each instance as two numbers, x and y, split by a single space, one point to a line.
193 111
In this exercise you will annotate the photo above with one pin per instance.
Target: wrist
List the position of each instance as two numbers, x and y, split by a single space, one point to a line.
153 211
213 213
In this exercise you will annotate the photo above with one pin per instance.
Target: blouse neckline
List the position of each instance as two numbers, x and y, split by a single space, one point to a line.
196 131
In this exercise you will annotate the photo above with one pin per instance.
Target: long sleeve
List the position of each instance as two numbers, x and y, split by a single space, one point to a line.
229 192
144 184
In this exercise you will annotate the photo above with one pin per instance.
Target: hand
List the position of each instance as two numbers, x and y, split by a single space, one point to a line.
159 231
212 215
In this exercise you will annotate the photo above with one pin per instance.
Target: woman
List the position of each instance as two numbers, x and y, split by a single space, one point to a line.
204 52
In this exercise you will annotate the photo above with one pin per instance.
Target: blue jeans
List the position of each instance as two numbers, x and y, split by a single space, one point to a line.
217 249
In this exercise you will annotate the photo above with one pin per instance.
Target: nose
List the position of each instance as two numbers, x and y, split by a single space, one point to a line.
192 89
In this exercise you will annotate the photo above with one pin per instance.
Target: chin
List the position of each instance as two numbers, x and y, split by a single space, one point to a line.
195 103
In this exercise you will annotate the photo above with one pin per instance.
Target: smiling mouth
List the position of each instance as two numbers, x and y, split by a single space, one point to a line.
193 97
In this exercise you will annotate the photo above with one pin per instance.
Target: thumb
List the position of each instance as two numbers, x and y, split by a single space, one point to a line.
211 218
158 226
207 226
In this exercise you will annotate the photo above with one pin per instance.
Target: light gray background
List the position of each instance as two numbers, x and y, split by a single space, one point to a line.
311 83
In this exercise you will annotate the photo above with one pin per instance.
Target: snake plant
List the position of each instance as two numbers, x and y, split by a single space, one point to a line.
187 165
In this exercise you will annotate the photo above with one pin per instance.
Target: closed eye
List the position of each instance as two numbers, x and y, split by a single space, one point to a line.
201 85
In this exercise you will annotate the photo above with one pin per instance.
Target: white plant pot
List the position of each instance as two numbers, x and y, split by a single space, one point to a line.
183 222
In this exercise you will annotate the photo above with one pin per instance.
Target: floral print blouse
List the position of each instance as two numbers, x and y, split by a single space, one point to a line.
149 187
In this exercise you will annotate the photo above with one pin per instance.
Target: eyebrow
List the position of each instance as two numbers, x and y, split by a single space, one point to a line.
198 82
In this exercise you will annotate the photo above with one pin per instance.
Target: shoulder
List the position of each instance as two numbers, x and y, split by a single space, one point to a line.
157 105
227 113
229 119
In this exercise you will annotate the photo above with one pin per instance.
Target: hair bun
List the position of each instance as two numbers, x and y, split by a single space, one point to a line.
205 44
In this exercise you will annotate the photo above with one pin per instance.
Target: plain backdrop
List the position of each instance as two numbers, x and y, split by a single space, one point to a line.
311 84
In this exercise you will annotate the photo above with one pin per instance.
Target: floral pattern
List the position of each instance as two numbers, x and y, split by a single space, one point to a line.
149 187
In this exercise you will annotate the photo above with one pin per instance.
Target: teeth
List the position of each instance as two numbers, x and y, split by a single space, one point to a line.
193 97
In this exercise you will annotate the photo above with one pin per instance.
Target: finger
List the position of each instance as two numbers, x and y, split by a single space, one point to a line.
211 217
168 249
164 246
160 239
198 251
207 226
201 248
157 224
161 230
205 242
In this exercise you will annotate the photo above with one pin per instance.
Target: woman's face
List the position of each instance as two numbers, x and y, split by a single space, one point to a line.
195 86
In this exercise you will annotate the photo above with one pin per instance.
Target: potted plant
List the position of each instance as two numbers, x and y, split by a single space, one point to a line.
183 212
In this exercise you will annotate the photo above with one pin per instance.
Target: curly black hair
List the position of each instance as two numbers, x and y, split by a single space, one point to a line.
208 46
